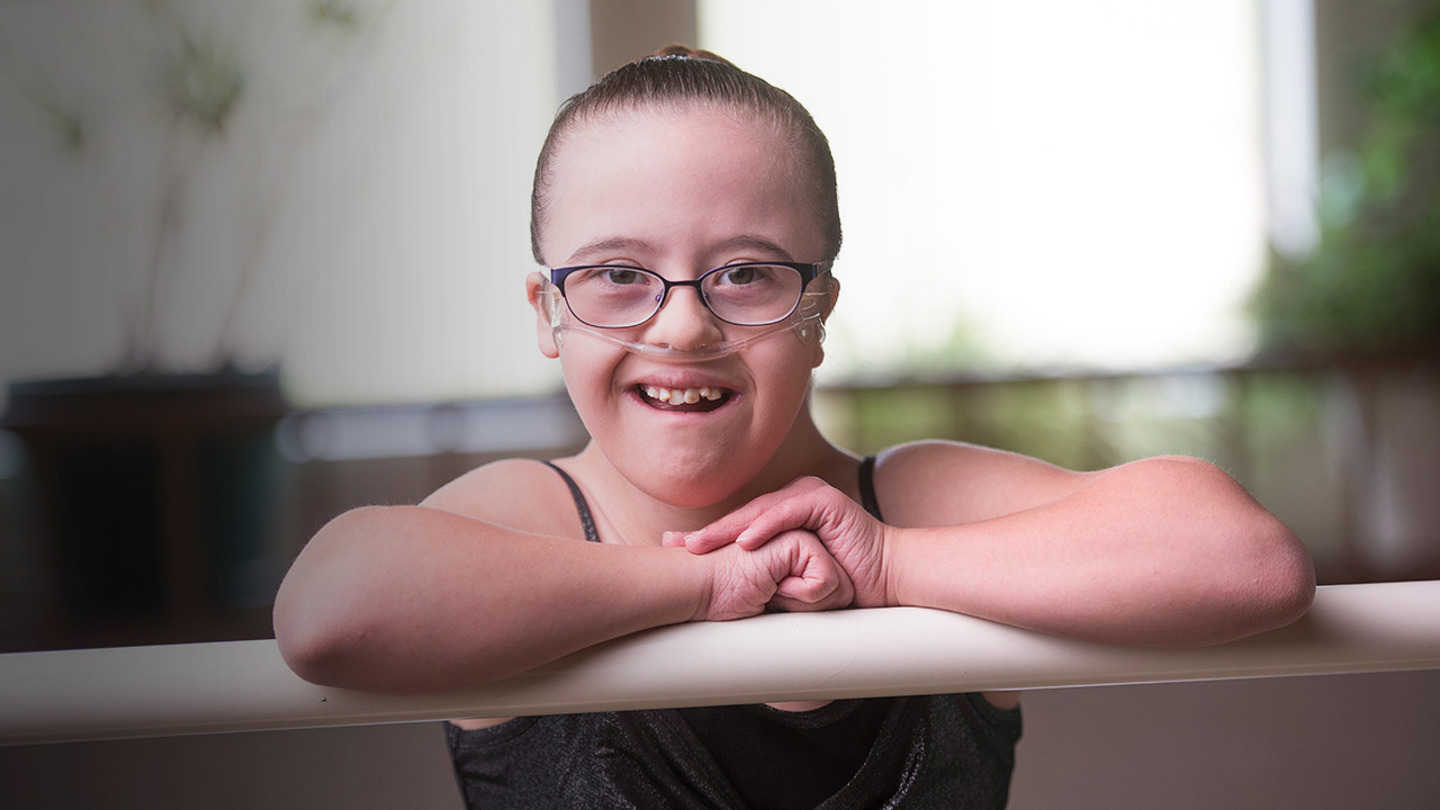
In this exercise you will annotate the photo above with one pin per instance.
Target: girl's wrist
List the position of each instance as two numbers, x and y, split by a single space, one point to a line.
909 568
892 564
699 572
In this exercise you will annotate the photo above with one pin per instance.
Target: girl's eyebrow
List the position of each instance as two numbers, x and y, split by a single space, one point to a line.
752 242
625 244
608 245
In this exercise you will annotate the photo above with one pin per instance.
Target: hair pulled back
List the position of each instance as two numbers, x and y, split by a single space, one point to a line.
677 76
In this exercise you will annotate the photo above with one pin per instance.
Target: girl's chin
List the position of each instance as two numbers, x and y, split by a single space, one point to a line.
692 484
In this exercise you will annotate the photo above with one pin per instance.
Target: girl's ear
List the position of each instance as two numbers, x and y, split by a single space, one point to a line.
542 298
832 294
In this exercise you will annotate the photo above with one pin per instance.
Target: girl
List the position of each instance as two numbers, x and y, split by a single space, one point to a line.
686 214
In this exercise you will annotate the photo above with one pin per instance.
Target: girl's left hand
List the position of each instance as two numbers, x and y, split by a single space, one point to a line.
855 539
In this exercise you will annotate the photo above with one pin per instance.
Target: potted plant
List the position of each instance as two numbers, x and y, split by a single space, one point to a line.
157 482
1372 283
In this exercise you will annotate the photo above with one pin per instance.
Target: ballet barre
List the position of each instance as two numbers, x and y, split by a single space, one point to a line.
167 690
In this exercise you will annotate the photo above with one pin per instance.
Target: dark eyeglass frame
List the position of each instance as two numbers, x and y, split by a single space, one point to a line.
809 271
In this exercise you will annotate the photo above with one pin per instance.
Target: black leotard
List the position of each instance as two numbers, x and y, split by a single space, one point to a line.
937 751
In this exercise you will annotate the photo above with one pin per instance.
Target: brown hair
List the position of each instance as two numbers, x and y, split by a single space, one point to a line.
677 75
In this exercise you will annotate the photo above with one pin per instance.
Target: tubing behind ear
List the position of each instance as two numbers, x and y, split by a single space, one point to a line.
553 306
555 313
810 330
811 326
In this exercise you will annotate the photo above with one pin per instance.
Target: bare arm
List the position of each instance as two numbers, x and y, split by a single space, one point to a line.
418 599
1162 551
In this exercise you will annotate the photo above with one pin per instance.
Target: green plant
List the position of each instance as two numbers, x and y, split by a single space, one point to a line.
1373 281
184 120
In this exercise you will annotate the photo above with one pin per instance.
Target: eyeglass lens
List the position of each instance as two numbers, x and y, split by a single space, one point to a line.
745 295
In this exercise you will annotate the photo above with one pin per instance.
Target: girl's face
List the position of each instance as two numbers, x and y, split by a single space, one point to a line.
680 192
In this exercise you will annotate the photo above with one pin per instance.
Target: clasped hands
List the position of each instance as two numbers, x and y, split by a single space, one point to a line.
806 547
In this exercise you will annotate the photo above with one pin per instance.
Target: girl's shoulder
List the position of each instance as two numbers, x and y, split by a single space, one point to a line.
944 483
519 493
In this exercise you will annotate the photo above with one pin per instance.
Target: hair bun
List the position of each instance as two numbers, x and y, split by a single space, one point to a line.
687 52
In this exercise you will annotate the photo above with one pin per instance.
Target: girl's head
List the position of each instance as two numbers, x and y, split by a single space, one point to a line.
685 168
677 78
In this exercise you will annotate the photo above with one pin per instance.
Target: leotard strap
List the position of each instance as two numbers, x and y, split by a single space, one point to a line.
867 488
586 519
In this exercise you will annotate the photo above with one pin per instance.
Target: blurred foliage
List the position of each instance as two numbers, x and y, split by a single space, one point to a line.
1076 422
1190 414
1373 282
203 83
1273 430
1045 418
338 13
962 348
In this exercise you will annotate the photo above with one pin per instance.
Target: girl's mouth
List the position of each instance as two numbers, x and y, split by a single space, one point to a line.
683 399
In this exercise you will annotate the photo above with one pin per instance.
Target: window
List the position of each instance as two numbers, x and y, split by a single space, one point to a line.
1027 184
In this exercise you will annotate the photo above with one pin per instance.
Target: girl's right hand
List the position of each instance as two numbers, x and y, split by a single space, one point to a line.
854 538
792 572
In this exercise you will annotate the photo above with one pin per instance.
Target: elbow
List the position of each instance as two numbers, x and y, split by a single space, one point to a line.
311 645
1293 587
1271 577
319 621
313 638
1281 581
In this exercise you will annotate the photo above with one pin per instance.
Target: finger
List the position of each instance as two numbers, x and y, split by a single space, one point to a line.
705 541
673 539
816 578
843 594
785 604
724 531
807 590
802 512
802 598
727 529
824 511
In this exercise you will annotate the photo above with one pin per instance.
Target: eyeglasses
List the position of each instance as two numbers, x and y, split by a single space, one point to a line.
613 296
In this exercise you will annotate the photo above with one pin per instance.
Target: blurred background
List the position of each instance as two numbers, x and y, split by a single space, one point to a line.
262 262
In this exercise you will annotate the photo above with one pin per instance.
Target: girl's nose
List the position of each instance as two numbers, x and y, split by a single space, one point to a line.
684 322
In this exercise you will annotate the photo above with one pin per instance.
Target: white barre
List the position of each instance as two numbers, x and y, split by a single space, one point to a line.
244 685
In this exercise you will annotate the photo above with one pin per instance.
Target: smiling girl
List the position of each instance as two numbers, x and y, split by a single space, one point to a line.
686 217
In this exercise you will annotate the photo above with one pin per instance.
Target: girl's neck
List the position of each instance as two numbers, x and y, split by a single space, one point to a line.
625 513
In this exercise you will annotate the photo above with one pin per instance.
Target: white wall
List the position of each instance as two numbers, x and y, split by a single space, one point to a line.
372 179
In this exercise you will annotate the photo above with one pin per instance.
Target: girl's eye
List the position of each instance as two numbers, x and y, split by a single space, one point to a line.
739 275
620 275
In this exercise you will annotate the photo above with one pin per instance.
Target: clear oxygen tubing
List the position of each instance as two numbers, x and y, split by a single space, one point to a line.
806 323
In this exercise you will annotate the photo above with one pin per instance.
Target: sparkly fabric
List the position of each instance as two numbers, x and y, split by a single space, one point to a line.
941 751
950 751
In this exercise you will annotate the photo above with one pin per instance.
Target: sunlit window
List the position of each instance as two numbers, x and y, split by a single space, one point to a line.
1031 184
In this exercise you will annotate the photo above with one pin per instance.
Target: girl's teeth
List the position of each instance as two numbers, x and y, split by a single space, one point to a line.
683 396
